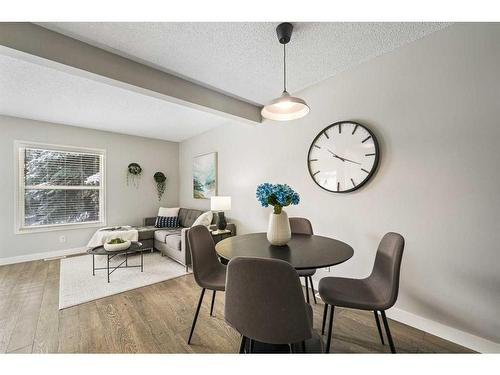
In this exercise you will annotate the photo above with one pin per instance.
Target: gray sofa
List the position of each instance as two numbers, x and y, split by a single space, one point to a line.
172 242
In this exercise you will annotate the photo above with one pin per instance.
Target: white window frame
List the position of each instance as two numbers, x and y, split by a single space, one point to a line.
19 190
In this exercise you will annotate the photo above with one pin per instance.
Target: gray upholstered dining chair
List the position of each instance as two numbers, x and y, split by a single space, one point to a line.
378 292
300 225
265 303
208 272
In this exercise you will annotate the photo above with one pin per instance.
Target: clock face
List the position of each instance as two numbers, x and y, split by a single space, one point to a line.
343 157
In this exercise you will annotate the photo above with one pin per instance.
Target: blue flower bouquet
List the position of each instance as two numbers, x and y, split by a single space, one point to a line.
276 195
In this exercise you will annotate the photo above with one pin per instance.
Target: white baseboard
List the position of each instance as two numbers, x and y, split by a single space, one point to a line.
468 340
44 255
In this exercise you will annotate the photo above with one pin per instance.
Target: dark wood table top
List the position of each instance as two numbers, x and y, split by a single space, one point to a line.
302 252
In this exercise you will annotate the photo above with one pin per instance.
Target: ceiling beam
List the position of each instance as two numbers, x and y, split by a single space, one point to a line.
59 51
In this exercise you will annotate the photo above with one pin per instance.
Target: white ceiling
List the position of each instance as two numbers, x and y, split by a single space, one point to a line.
37 92
245 59
241 59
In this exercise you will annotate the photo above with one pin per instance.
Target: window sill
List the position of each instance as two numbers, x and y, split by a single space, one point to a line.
58 227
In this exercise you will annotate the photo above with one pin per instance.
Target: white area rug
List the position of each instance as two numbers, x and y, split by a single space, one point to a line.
77 285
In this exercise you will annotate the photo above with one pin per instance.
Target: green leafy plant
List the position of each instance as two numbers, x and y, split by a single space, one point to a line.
115 241
161 183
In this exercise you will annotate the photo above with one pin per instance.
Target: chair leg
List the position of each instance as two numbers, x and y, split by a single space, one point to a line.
196 315
330 328
252 341
325 312
312 288
388 332
379 328
212 305
303 345
242 344
307 289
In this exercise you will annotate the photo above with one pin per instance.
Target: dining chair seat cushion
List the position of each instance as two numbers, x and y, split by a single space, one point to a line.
308 272
350 293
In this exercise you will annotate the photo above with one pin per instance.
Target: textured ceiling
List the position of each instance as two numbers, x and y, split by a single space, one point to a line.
245 59
36 92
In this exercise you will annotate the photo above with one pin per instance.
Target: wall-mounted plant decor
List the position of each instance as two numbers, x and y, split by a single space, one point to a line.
161 183
134 172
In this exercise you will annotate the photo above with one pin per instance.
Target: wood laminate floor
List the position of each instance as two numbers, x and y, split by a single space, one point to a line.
157 319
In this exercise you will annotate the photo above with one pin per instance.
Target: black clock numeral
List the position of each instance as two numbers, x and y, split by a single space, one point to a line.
367 138
370 154
340 128
315 173
313 160
354 131
353 184
338 186
317 146
326 135
364 170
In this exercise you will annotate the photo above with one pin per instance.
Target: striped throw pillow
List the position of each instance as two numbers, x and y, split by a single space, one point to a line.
167 222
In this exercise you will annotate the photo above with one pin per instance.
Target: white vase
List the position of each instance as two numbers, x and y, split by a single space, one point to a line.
278 230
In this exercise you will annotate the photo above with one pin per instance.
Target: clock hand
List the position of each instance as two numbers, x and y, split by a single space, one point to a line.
351 161
343 159
335 155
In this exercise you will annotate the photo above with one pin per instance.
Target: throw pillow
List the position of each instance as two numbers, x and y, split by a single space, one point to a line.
167 222
204 219
168 212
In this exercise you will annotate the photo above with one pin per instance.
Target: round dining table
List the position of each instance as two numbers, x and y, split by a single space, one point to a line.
303 251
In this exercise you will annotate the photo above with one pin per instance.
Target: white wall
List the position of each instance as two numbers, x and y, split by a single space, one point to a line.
124 204
434 106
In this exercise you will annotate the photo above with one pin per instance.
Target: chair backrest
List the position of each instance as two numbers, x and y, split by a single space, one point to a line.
203 255
264 301
300 225
385 274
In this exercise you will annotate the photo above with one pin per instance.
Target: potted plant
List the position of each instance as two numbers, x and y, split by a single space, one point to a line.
161 183
278 196
134 172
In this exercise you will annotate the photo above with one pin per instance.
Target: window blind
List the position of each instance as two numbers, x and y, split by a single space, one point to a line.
61 187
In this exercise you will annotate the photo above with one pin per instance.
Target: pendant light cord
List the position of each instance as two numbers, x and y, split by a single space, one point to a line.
284 67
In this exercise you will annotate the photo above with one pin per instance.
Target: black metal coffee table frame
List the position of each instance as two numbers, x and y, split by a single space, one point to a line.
135 247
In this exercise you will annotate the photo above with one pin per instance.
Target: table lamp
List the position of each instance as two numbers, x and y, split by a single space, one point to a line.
220 204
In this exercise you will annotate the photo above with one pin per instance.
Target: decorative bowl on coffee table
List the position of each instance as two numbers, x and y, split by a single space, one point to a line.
117 246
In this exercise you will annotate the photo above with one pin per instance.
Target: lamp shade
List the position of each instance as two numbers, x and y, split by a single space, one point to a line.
285 108
220 203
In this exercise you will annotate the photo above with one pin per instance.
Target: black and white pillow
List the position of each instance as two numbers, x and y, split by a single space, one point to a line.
167 222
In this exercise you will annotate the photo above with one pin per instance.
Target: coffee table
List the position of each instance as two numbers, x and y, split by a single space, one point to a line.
135 247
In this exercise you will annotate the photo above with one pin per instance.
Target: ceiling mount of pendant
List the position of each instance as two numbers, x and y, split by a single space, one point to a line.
284 32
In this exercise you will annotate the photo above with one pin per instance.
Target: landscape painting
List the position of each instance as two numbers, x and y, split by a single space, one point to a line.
205 176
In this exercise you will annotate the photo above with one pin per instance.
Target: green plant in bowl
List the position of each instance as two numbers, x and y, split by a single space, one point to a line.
115 241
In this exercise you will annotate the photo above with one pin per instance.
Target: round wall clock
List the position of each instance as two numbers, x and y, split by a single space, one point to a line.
343 157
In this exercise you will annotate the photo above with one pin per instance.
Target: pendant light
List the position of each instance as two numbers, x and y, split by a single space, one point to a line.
286 107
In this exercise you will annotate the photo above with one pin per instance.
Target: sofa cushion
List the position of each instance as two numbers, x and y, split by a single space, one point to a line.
162 234
166 211
204 219
167 222
187 216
